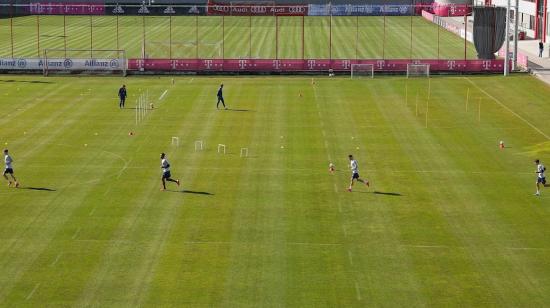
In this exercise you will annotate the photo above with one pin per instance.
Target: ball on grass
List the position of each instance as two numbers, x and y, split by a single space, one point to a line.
357 148
282 147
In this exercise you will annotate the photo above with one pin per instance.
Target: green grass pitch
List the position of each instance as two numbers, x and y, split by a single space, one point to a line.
450 220
242 37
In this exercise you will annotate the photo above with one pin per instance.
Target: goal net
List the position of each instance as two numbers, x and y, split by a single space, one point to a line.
84 61
362 71
418 70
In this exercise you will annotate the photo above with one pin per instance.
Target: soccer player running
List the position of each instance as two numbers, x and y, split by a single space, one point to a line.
355 173
122 95
9 169
220 98
166 176
541 179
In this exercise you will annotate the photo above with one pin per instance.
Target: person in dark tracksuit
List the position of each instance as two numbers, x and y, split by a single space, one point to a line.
122 95
541 49
220 98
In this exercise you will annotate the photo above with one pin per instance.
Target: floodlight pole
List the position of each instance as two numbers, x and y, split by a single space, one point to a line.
507 32
516 22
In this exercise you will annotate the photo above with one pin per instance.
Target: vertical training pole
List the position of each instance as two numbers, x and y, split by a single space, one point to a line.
356 37
11 29
197 36
303 35
170 37
411 51
223 37
91 38
416 101
330 35
143 51
276 37
465 36
426 116
65 33
117 45
406 92
467 99
516 21
38 34
250 37
438 41
507 56
479 110
384 40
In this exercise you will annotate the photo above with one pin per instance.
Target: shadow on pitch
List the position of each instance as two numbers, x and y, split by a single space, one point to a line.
38 188
26 81
387 193
194 192
239 110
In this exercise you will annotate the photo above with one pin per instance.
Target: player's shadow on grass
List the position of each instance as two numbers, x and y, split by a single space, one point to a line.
239 110
39 188
26 81
194 192
387 193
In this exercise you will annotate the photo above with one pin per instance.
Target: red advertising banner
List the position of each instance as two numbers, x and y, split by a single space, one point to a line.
309 65
255 9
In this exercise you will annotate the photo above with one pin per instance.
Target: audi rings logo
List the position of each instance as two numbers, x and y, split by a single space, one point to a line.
114 63
21 63
68 63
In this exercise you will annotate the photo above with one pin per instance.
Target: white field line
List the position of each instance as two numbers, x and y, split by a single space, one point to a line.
358 291
76 233
56 259
509 109
163 94
32 292
350 257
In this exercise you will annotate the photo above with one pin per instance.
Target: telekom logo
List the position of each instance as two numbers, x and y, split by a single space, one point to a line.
276 64
208 64
173 64
242 64
451 64
380 64
346 64
311 64
486 64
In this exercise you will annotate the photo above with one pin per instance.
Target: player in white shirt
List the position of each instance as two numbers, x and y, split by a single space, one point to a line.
355 173
166 176
541 178
8 161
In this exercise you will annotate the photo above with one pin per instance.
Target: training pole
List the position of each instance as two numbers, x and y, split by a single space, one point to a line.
11 28
356 37
406 93
303 36
170 37
38 34
65 34
416 103
117 40
507 41
467 99
276 37
197 37
479 110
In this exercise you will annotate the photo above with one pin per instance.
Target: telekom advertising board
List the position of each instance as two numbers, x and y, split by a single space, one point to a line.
308 65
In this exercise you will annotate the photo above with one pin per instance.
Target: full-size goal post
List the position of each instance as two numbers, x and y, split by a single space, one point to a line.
362 71
84 61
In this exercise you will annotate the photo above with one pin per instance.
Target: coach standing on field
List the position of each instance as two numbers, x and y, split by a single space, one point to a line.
122 95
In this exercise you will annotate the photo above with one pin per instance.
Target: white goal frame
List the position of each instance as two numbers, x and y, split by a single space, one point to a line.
368 68
87 61
418 70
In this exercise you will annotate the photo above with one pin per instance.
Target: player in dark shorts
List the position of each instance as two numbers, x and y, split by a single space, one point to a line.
166 176
122 95
220 98
8 161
